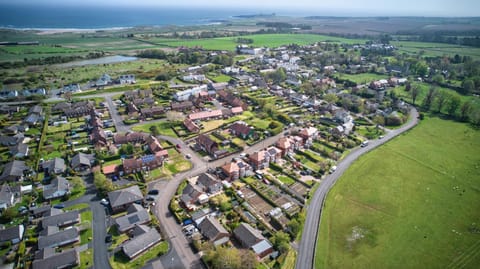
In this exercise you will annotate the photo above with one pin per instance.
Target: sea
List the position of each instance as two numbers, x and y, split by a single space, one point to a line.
102 17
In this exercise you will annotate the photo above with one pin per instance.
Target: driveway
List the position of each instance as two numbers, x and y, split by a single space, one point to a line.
306 246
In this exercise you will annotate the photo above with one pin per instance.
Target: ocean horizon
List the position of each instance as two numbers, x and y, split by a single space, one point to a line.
105 17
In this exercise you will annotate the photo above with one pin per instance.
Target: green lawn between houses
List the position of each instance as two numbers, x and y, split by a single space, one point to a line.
412 203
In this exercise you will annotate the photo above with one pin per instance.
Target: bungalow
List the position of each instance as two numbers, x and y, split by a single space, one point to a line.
55 166
47 258
61 220
247 235
59 187
56 238
237 110
14 171
7 197
207 144
110 169
242 130
72 88
136 215
206 115
121 199
208 183
191 126
342 116
13 234
214 231
19 151
82 161
12 140
143 240
104 80
262 248
190 196
8 93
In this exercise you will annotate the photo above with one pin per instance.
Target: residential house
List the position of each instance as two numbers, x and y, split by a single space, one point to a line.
273 154
121 199
45 211
48 258
98 137
104 80
144 163
231 99
309 133
236 169
14 171
82 161
206 115
59 187
61 220
208 183
193 77
187 94
56 238
55 166
152 112
126 79
191 126
214 231
136 215
342 116
338 131
190 196
9 109
242 130
72 88
19 151
131 137
12 140
247 235
258 160
153 145
141 242
207 144
132 110
139 102
8 93
237 110
14 234
181 106
7 197
110 170
288 145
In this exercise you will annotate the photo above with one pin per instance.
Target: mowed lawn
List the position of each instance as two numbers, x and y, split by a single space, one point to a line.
412 203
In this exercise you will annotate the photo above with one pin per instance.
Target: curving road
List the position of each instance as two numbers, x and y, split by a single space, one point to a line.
306 247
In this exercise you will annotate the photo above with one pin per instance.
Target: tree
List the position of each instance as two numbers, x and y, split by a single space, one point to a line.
465 110
102 183
281 241
438 79
249 259
9 214
408 86
467 86
453 104
379 121
126 149
442 97
154 130
428 101
294 227
415 92
330 98
475 117
223 257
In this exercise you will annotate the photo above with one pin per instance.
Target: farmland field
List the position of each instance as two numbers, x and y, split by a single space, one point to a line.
363 78
412 203
436 49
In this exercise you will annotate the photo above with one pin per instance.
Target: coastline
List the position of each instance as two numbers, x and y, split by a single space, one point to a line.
48 31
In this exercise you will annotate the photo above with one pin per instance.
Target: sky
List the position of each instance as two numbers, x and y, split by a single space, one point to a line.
448 8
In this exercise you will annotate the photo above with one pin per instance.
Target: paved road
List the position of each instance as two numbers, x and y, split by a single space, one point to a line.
306 247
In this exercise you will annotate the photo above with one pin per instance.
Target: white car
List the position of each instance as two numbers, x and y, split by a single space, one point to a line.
104 202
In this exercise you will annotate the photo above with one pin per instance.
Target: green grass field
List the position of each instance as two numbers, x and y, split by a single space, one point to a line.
412 203
263 40
363 78
436 49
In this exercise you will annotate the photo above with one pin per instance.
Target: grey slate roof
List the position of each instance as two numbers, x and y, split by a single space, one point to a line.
57 188
125 196
6 194
21 149
128 221
61 260
13 169
9 234
61 238
211 228
82 159
141 243
247 235
56 165
67 218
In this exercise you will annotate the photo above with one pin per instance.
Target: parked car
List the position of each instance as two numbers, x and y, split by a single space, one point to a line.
153 192
150 198
188 156
108 238
59 206
178 146
104 202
